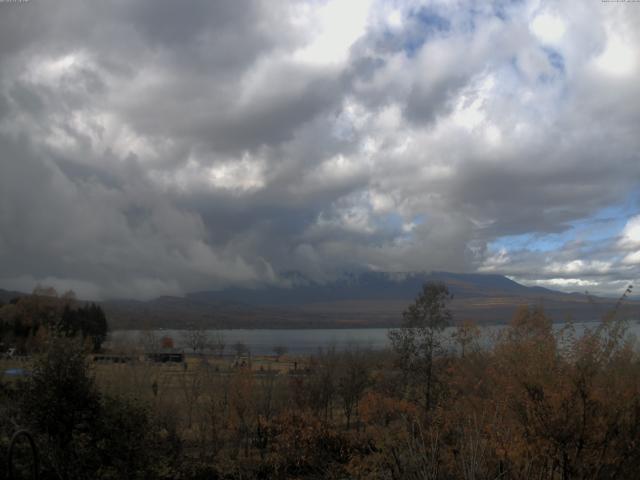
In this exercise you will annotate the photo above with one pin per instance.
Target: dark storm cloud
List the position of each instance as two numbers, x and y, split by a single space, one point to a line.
161 147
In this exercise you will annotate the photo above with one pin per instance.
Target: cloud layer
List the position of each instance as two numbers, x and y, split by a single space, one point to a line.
157 148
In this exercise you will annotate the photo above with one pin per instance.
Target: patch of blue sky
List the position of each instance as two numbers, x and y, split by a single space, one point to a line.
609 222
629 207
512 79
427 24
556 60
419 219
501 9
535 242
390 222
512 70
394 225
528 241
603 226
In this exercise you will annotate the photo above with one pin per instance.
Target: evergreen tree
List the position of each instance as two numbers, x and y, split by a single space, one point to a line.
418 339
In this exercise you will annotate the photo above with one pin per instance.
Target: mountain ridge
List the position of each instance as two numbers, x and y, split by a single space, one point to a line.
356 300
370 285
369 299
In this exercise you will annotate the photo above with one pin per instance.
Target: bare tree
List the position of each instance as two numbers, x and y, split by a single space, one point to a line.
195 338
352 382
217 343
472 449
322 385
466 337
149 340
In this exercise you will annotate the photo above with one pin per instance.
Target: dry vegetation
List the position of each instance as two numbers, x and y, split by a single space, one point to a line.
534 405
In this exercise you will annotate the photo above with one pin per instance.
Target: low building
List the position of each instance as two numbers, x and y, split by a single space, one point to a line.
113 358
166 356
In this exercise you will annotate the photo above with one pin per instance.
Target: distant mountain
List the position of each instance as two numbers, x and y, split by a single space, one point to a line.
7 295
372 299
371 286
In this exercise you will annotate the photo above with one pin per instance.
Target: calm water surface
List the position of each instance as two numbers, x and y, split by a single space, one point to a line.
308 341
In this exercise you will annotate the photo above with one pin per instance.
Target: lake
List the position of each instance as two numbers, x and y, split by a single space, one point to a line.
308 341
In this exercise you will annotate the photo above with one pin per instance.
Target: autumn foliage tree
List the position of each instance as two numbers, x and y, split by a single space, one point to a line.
80 432
29 321
540 400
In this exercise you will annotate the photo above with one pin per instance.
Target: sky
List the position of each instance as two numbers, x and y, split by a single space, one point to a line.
160 147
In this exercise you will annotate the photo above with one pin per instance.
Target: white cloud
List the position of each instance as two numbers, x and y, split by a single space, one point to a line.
548 28
185 148
577 267
336 25
632 258
619 58
630 236
496 262
565 283
244 175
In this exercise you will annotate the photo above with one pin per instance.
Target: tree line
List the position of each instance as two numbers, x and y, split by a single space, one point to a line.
539 403
27 322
